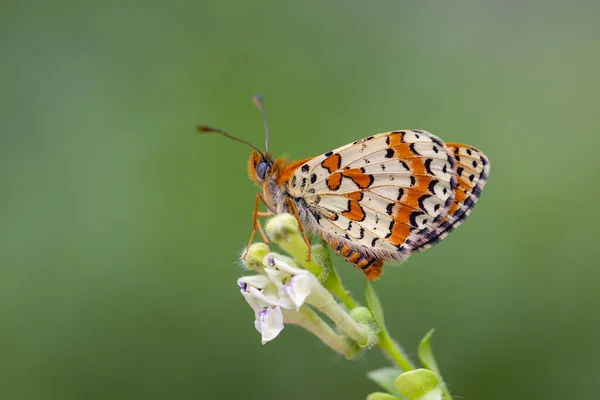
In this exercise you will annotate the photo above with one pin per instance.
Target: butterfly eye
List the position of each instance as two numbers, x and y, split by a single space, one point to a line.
261 170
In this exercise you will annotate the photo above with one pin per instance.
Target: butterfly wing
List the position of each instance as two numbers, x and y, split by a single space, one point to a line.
472 171
373 194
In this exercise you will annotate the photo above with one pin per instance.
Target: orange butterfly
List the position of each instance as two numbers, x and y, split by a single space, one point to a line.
380 198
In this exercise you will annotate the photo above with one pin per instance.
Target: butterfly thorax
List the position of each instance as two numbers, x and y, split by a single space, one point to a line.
273 176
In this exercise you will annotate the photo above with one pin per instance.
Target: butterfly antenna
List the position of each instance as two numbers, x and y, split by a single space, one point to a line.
207 129
257 100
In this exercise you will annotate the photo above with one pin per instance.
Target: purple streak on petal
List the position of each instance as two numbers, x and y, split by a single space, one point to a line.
289 288
271 261
243 286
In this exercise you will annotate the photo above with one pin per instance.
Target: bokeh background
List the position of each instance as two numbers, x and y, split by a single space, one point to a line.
120 226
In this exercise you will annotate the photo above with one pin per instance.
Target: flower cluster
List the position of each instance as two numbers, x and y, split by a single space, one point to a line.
285 294
285 290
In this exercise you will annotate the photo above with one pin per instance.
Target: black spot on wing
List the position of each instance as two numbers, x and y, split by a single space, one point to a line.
432 185
305 168
428 166
400 194
413 218
392 222
412 147
389 208
421 201
436 141
329 154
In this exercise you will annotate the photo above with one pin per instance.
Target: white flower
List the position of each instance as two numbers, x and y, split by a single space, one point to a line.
282 295
282 287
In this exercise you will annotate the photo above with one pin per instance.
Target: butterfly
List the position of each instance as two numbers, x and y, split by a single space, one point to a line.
377 199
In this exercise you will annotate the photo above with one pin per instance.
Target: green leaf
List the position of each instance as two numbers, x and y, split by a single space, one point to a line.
419 384
381 396
428 361
385 377
374 305
426 354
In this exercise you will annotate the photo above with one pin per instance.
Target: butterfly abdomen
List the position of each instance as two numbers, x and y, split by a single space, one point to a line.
369 265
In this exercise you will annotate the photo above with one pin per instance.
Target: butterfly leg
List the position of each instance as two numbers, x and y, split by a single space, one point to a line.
256 224
292 206
260 228
371 266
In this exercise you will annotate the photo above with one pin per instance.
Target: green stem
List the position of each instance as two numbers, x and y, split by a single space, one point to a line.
389 347
333 283
311 321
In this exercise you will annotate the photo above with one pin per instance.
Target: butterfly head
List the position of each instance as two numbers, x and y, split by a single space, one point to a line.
260 165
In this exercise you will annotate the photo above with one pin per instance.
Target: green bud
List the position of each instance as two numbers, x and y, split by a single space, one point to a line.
420 384
362 315
254 257
281 227
283 230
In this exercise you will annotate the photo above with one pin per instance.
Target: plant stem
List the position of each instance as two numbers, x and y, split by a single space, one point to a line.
308 319
389 347
334 285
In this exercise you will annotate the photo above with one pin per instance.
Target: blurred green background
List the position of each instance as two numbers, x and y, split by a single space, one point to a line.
120 226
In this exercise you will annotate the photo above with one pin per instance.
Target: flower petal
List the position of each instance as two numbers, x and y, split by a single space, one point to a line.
269 322
258 281
298 289
256 303
277 277
263 296
273 259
